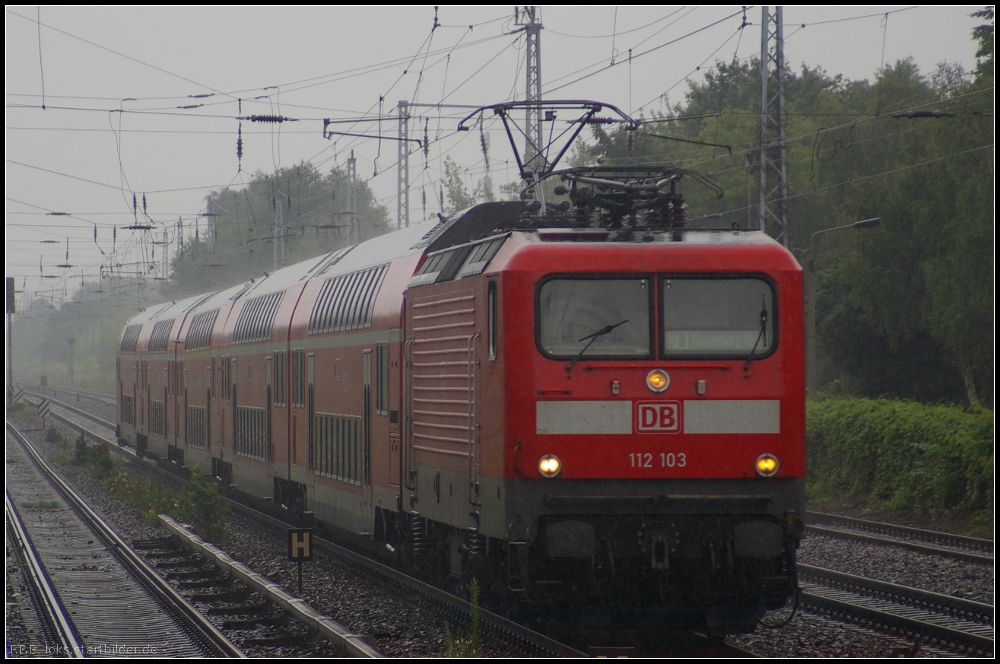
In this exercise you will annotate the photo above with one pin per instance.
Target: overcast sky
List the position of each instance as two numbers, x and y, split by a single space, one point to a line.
114 81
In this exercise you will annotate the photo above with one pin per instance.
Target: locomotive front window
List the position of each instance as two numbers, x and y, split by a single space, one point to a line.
722 317
611 315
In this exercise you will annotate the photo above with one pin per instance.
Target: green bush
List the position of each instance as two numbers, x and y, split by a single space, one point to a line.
900 453
80 457
54 435
96 457
201 505
150 497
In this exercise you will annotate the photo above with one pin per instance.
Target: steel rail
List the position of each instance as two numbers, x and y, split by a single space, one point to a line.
488 618
55 612
75 410
972 549
539 641
96 396
147 575
913 599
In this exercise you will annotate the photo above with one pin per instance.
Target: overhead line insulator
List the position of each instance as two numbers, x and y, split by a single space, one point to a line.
600 120
268 118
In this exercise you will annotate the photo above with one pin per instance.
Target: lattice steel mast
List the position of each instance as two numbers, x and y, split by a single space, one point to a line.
772 205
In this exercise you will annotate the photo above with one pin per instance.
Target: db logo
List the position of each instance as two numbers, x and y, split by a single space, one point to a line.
661 417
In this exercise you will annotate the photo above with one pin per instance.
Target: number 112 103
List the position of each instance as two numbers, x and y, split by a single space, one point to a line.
661 460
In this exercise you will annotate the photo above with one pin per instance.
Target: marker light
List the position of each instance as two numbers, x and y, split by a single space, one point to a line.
767 465
657 380
549 465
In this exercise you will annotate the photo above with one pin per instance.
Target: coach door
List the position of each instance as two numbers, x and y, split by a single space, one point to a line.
268 409
208 405
184 411
310 417
366 442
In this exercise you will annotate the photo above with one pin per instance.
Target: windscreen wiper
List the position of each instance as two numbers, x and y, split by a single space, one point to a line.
762 335
593 337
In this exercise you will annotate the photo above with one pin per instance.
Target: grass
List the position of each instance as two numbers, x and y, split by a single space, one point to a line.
462 647
60 458
19 411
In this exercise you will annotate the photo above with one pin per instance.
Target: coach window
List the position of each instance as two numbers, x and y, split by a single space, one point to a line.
605 318
720 317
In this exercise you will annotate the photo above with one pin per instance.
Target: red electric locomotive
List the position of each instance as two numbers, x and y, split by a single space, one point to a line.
597 409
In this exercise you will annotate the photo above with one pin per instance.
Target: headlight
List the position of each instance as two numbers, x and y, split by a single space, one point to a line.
767 465
657 380
549 465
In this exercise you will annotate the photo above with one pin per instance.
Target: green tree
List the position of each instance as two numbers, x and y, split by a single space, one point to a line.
459 197
239 241
985 35
905 309
274 221
93 317
928 271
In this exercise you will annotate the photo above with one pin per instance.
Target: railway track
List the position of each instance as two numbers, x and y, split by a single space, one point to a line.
453 610
927 618
113 603
503 633
286 631
456 610
833 599
79 418
844 614
245 600
925 541
52 632
77 395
